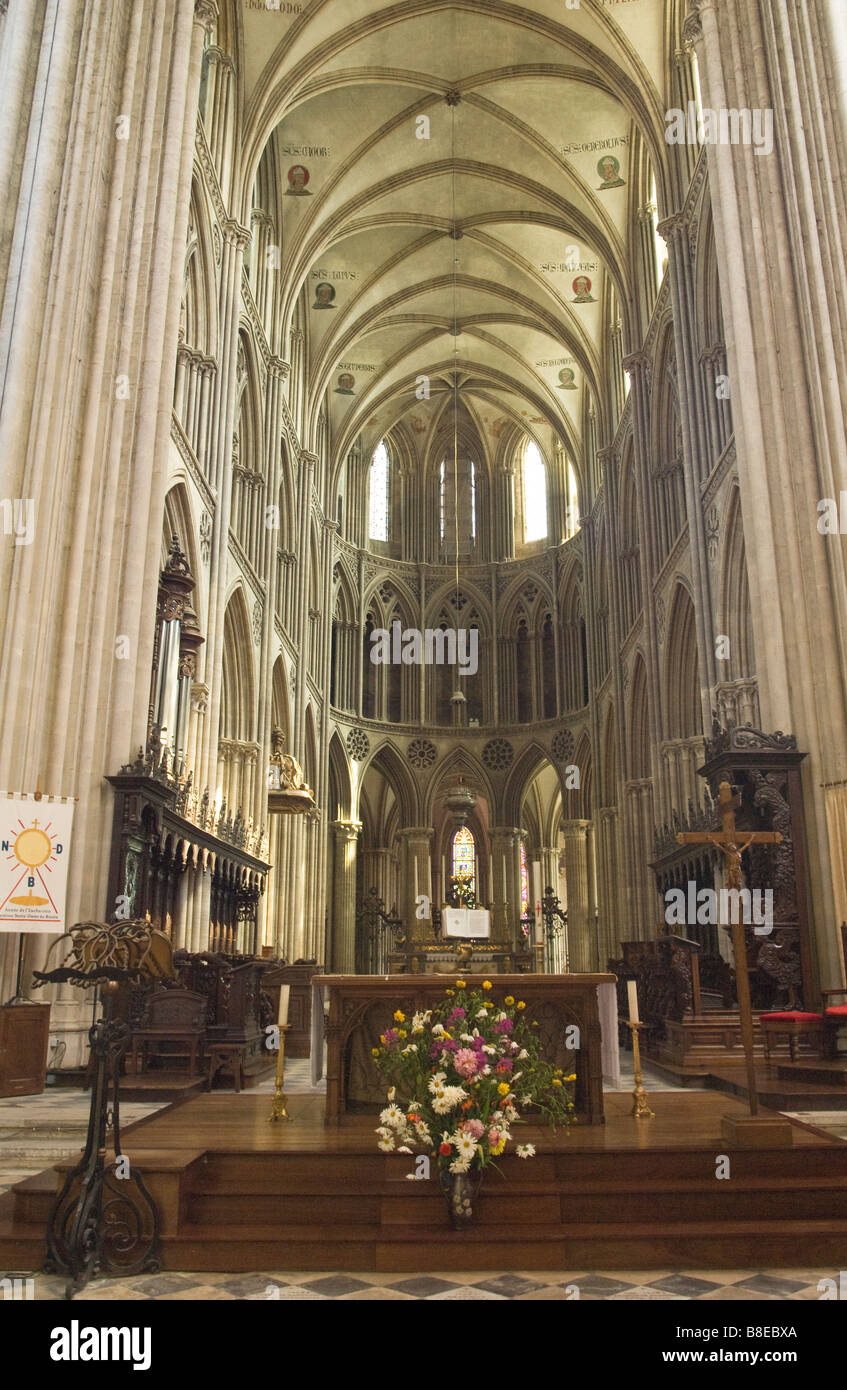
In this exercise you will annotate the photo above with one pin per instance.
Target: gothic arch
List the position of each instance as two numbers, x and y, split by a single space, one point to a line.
387 760
237 717
340 781
638 732
682 673
734 613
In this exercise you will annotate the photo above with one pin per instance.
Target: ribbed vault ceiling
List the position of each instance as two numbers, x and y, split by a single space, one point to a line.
454 257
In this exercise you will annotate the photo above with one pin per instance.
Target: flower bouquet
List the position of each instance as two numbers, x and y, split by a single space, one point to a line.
460 1075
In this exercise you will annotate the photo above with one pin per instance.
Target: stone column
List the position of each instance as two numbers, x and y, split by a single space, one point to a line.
610 923
343 924
415 863
91 297
778 229
506 886
581 943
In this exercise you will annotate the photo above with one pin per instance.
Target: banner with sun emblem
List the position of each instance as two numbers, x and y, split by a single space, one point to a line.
35 838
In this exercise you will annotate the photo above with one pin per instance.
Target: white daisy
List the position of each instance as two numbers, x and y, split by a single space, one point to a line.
522 1054
459 1166
482 1013
466 1145
393 1117
436 1081
387 1145
525 1151
404 1150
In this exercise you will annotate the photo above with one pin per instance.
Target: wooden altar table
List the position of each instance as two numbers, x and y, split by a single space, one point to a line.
362 1006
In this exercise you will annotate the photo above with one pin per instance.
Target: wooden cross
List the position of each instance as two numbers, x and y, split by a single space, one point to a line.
732 843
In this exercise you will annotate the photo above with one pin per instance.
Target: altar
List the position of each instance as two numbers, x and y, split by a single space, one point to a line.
362 1006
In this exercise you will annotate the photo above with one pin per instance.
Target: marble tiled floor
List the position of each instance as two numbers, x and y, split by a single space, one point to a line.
35 1131
679 1286
831 1121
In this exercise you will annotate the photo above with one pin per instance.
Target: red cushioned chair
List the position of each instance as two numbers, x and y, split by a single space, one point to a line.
793 1023
835 1015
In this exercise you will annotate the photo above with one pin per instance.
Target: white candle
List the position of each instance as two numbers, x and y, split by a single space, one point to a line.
443 881
416 880
632 997
505 886
284 992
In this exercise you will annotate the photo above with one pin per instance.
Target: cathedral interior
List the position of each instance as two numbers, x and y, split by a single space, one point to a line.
391 319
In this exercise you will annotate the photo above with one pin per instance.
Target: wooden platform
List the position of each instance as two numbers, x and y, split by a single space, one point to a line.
237 1193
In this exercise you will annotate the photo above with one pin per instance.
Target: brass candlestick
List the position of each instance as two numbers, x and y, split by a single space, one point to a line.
640 1107
279 1105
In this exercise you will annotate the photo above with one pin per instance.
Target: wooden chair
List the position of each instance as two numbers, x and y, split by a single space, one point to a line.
823 1027
173 1025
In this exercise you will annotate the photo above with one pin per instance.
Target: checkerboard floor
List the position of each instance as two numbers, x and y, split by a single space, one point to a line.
617 1286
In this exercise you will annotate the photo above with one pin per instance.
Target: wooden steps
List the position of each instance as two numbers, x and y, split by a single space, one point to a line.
236 1193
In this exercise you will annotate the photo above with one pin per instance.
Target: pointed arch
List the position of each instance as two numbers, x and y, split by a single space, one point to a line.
682 674
638 724
237 717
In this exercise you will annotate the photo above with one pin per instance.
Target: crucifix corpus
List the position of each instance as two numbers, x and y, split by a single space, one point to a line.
732 843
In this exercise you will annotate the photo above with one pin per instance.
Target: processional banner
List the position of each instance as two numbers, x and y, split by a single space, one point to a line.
35 838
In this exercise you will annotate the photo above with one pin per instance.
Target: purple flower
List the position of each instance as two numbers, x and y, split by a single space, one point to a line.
457 1013
505 1025
390 1036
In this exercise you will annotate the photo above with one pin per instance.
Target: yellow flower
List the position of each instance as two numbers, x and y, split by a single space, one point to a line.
451 992
460 984
521 1004
509 1000
558 1072
401 1033
374 1051
572 1076
382 1038
556 1081
399 1016
498 1148
486 984
502 1089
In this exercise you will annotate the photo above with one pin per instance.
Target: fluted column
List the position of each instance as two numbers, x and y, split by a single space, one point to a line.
779 228
91 291
581 943
415 869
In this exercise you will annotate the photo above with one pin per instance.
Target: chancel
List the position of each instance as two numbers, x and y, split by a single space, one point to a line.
425 611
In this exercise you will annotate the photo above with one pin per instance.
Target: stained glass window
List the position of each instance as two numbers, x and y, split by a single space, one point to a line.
464 854
378 528
524 882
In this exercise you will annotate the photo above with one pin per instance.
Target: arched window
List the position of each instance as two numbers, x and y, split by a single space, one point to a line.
534 494
457 505
379 497
572 511
660 246
524 882
464 854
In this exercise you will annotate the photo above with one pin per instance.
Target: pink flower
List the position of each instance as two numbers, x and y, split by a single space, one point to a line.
494 1137
474 1127
466 1062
